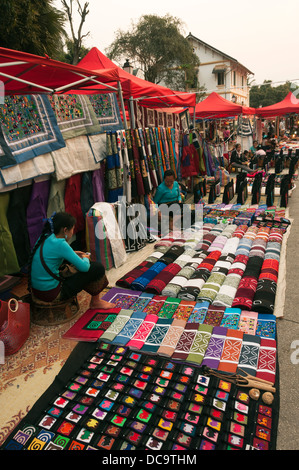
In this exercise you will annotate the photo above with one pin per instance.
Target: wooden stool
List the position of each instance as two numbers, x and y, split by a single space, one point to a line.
53 313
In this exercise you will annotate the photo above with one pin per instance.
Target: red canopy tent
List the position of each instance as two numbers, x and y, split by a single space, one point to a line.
215 106
24 73
148 94
290 104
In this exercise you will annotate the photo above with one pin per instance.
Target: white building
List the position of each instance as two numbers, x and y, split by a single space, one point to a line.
221 73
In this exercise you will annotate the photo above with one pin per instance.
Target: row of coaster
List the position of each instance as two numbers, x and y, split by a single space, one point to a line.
120 399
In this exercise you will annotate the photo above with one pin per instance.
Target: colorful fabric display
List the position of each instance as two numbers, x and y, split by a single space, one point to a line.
184 309
130 328
179 281
117 325
214 315
131 276
169 307
155 304
157 335
121 298
168 258
231 351
215 347
248 360
92 325
266 326
269 269
157 284
185 342
142 301
216 279
200 344
172 337
273 250
142 281
193 286
264 298
248 322
227 291
266 368
139 338
248 284
199 312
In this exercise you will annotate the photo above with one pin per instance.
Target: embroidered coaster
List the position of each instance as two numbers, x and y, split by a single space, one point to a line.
215 347
266 368
200 344
139 338
248 360
157 335
185 342
231 351
172 337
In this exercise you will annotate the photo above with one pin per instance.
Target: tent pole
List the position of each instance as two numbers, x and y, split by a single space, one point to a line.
120 94
132 112
194 117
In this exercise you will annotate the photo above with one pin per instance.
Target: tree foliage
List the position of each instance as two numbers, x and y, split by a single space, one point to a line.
32 26
156 45
266 94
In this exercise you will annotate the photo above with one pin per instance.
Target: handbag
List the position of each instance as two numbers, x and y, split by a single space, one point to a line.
14 324
65 270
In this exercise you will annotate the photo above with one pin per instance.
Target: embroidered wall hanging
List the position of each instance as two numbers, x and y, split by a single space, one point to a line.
28 129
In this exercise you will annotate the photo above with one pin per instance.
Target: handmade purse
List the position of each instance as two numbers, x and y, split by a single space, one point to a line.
14 325
65 270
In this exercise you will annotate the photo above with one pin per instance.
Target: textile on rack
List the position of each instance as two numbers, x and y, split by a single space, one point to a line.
74 114
107 111
29 128
17 222
114 169
98 180
36 211
40 166
103 229
56 196
9 262
72 201
75 157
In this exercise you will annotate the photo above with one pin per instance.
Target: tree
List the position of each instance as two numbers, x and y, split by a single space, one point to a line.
157 45
31 26
266 94
74 45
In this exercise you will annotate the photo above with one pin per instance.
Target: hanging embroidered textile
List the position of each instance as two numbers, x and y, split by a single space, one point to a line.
107 111
74 114
28 128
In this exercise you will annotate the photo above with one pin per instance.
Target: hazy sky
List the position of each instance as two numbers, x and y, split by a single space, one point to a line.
262 35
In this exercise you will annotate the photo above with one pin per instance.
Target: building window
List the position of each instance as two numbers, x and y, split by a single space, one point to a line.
220 78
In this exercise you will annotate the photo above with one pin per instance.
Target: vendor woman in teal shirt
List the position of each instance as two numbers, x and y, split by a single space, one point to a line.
45 281
168 192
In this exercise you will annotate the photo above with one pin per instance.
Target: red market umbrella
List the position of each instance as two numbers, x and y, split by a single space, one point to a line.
147 94
290 104
24 73
215 106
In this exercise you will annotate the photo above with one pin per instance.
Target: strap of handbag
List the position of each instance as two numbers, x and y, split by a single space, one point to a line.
58 278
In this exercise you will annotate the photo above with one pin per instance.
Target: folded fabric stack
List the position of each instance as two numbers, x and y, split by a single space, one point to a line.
264 299
248 284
